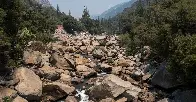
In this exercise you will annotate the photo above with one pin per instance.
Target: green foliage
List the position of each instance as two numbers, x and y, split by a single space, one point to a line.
156 24
25 36
45 38
168 27
71 24
6 99
20 22
124 39
182 59
93 26
4 50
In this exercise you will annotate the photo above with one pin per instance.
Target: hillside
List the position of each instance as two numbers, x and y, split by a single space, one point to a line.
113 11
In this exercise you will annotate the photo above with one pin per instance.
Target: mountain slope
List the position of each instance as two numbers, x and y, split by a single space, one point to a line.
113 11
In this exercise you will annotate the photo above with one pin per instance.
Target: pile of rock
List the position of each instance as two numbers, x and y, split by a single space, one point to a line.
51 72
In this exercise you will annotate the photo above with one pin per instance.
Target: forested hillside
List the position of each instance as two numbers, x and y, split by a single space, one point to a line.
167 26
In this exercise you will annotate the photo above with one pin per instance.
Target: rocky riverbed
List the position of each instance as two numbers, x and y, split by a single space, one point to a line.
88 68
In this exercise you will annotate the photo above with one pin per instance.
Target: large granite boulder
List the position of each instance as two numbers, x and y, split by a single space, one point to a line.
7 93
29 84
32 57
56 90
164 78
112 86
19 99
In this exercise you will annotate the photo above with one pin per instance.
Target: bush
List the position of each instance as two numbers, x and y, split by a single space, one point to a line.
124 39
4 50
45 38
182 60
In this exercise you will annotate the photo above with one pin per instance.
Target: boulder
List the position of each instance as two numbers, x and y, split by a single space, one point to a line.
19 99
106 67
100 37
85 71
81 61
32 57
131 94
146 77
111 42
49 73
71 99
91 65
117 70
59 61
7 93
76 80
57 90
112 86
95 43
123 63
107 100
83 49
165 79
29 85
122 100
90 49
69 61
37 46
86 42
168 100
45 59
69 49
65 78
98 53
78 43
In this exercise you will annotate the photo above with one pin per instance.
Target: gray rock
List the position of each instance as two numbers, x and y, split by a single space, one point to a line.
165 79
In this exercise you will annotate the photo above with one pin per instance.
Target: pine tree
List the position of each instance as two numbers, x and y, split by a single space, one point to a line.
86 20
57 10
69 13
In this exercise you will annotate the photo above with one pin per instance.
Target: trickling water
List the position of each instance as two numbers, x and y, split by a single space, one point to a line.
101 74
82 95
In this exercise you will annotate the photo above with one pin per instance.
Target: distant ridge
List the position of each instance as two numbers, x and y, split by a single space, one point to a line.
113 11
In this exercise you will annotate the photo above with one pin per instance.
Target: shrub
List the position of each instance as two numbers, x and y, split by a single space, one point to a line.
45 38
182 60
124 39
4 50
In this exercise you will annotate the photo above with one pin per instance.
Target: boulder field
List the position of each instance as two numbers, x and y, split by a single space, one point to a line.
84 65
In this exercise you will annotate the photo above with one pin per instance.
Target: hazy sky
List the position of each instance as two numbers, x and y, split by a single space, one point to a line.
77 6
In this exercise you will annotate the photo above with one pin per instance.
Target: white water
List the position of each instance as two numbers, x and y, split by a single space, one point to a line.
101 74
83 96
